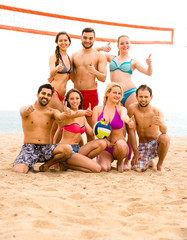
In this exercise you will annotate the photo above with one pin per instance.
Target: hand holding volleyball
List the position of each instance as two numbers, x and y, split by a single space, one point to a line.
101 129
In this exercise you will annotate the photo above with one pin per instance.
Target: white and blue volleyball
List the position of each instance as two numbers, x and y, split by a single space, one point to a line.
101 129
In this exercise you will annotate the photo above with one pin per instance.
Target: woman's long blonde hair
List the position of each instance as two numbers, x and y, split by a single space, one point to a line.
108 90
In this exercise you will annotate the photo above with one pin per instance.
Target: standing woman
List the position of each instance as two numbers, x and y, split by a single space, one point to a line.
116 115
60 69
122 68
72 129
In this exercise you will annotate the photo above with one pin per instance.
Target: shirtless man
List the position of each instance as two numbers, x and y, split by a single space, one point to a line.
88 65
151 130
37 120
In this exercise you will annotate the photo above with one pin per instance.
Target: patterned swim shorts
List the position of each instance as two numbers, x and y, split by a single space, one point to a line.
33 153
147 151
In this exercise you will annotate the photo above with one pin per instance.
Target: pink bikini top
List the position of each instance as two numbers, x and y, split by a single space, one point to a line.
74 128
116 122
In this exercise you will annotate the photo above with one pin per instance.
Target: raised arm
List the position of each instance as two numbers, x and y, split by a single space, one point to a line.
68 113
132 137
95 115
101 71
89 129
125 118
26 111
159 120
53 68
106 48
147 71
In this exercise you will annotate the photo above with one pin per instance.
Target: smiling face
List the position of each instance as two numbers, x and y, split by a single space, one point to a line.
74 100
114 95
124 44
63 42
143 98
44 96
88 39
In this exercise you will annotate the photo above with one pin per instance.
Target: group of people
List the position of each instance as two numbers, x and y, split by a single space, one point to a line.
54 124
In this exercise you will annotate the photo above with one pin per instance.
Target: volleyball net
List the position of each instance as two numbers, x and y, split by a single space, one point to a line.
37 22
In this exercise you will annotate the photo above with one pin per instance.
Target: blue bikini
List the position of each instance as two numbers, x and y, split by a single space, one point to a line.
124 67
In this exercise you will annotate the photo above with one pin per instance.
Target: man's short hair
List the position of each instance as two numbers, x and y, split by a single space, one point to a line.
88 29
45 86
144 87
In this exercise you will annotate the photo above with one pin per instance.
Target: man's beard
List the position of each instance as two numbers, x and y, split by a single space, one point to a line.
143 105
43 103
86 46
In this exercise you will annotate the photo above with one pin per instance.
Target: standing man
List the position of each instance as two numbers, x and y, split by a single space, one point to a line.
151 130
37 121
88 65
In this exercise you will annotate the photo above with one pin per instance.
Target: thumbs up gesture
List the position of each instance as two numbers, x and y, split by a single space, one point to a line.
148 60
89 110
156 119
59 67
67 110
131 122
30 109
91 68
106 48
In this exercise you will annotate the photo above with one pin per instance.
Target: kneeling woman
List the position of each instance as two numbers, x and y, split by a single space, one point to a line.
116 115
72 129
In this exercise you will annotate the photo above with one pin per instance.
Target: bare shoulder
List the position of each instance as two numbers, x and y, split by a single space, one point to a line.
133 107
109 57
51 110
121 108
73 55
157 111
101 56
52 57
98 107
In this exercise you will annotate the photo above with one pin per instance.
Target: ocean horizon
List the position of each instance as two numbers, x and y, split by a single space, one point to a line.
10 122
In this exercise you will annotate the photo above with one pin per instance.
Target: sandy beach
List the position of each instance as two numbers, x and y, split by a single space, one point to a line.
106 206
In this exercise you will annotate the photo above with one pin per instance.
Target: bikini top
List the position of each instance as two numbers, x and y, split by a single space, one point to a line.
116 122
124 67
64 70
74 128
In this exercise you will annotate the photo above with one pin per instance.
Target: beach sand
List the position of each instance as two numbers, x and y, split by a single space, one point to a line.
105 206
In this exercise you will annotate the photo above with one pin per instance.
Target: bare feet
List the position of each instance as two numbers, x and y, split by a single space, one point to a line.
161 169
125 167
62 167
151 164
139 169
43 168
56 166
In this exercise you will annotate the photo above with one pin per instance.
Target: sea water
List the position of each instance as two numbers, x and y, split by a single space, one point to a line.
10 121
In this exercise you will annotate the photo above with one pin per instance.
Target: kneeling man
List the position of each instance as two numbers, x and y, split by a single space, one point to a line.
151 130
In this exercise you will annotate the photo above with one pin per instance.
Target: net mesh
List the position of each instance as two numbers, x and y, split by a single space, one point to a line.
24 20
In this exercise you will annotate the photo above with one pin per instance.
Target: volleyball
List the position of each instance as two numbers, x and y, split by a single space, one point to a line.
101 129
